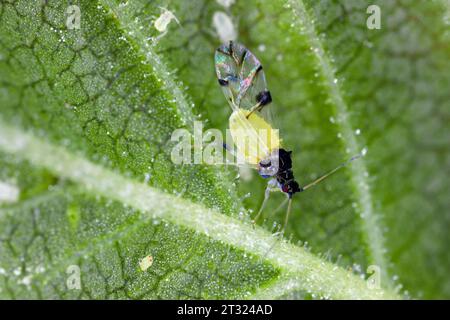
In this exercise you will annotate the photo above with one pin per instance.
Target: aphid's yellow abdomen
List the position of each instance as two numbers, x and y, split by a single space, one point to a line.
254 138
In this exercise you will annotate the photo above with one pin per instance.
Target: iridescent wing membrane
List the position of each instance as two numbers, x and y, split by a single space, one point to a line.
241 77
243 82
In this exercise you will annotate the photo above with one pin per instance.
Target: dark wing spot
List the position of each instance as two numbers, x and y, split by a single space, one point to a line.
223 82
264 98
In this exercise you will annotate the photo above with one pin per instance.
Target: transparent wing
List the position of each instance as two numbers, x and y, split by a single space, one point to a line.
241 77
243 83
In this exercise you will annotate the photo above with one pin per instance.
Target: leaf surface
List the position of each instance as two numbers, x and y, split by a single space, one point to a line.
86 119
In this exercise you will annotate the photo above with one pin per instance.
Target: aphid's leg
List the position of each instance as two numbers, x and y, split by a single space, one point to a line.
272 185
288 212
159 37
263 205
286 219
280 206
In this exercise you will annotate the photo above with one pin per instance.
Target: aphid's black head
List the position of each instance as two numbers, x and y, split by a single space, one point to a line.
291 187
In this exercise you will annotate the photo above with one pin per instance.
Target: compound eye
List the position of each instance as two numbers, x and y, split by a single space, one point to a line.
266 164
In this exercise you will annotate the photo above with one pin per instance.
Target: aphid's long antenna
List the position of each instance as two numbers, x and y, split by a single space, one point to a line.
288 212
309 185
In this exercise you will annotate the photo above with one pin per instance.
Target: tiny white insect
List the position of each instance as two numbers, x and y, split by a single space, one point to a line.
364 151
164 19
146 263
224 26
8 192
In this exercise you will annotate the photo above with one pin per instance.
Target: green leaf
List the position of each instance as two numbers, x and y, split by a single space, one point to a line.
85 123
